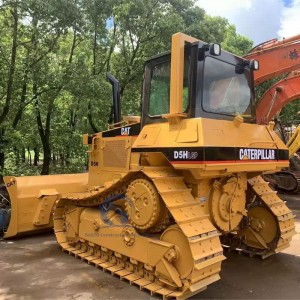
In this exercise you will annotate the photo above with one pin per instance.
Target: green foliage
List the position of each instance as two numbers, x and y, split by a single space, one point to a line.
63 50
289 114
236 43
263 87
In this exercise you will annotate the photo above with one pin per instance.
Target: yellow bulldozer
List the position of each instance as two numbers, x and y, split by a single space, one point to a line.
165 190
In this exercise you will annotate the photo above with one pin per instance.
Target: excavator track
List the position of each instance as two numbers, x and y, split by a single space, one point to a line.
272 218
297 178
295 170
191 231
286 182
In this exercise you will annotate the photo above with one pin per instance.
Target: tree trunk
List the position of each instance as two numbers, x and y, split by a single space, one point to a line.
17 156
43 132
47 159
68 158
90 118
23 155
12 67
36 156
2 153
89 113
2 159
62 159
19 113
29 156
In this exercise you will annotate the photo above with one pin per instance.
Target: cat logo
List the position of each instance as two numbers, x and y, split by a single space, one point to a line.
125 130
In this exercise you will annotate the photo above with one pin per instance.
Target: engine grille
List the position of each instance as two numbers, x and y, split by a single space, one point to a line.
115 154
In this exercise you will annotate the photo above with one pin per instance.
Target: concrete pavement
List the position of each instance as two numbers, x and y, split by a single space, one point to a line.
35 268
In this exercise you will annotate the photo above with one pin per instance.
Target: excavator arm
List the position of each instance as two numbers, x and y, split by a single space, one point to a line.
276 58
277 96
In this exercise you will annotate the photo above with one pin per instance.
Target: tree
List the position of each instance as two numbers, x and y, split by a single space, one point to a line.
236 43
289 114
13 10
54 56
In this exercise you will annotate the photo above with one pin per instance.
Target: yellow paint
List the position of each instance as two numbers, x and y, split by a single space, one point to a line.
177 68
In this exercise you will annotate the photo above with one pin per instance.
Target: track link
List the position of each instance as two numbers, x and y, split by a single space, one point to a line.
202 237
281 213
189 215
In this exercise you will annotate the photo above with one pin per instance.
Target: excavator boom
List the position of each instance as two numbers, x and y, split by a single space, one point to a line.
276 58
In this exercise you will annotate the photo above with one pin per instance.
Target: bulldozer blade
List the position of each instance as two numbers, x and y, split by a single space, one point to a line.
32 199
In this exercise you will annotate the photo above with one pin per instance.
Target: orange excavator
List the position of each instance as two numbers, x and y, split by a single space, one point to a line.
278 58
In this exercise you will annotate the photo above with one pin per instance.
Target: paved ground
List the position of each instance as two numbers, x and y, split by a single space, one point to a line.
35 268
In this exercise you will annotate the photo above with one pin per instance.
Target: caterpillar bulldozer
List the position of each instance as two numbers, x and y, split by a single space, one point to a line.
27 211
165 190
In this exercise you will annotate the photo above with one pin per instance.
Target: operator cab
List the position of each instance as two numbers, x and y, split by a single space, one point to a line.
216 85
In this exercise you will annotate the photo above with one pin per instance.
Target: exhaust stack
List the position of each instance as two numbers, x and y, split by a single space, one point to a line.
116 97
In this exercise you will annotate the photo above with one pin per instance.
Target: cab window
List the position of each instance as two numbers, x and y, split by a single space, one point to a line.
160 89
226 88
159 100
